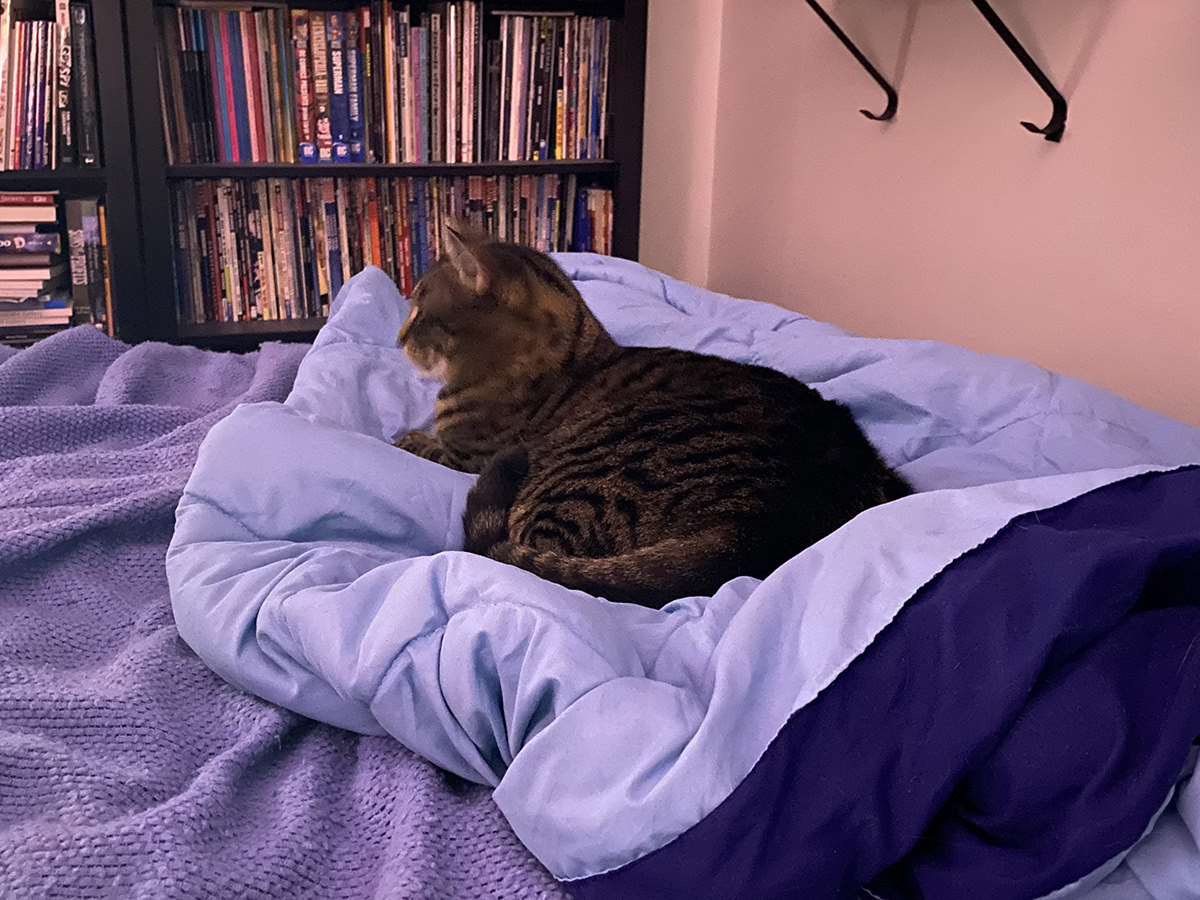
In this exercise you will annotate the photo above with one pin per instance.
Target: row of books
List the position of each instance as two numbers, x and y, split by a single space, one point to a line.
53 266
48 105
281 248
381 83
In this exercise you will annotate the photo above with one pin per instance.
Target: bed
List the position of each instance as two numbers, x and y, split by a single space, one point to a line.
243 655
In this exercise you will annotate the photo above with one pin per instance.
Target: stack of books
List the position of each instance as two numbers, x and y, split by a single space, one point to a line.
48 101
35 277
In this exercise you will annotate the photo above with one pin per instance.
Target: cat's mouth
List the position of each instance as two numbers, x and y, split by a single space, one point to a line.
430 364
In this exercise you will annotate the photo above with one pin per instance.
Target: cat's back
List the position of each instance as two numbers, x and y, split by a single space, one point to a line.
668 386
683 440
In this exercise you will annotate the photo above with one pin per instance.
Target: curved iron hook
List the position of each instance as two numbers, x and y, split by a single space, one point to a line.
893 99
1053 130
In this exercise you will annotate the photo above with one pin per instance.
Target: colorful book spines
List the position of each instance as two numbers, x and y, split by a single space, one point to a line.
281 248
392 83
48 105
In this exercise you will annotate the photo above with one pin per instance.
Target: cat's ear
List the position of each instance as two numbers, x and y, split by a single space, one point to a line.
462 250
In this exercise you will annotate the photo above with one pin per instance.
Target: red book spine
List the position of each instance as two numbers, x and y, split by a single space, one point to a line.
230 107
258 134
18 198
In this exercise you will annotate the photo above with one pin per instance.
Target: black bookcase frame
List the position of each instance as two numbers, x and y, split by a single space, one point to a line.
115 180
621 170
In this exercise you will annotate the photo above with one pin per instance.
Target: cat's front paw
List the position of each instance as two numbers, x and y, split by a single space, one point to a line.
422 444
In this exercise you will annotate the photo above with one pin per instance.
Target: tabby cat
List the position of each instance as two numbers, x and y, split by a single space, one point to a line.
636 474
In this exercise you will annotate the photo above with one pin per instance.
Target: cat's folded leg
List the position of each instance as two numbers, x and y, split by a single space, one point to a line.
485 522
424 445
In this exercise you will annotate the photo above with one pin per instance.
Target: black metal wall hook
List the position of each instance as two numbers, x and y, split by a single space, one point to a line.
1053 130
892 98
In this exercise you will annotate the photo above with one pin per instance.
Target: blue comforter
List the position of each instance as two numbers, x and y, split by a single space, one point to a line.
995 681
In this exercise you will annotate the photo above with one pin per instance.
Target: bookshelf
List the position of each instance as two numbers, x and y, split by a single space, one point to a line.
114 179
159 180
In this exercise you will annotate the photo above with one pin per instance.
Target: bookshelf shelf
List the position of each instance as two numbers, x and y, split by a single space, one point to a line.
255 328
53 179
384 170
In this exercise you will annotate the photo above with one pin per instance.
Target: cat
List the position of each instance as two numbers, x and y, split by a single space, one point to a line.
636 474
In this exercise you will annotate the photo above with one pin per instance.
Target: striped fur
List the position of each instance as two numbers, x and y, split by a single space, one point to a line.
636 474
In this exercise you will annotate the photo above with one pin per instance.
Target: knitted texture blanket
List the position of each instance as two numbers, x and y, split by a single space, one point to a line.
127 768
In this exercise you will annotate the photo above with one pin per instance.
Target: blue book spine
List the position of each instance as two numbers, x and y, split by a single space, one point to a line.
421 257
414 239
339 105
426 117
354 89
39 103
594 99
582 241
21 242
333 238
241 103
215 57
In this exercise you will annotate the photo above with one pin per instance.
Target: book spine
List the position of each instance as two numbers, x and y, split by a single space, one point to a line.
77 253
203 81
282 85
235 69
453 84
210 268
281 230
180 259
372 60
256 54
390 124
404 86
94 256
339 111
320 69
419 51
23 243
585 87
33 81
220 107
346 220
256 246
437 127
594 89
5 41
17 95
559 92
64 133
106 323
177 118
28 198
244 285
251 61
504 100
354 88
420 233
305 114
538 99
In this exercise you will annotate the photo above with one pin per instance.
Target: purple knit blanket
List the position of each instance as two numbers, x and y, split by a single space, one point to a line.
128 769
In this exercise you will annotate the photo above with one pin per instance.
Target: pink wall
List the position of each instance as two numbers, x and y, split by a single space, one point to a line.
683 67
953 222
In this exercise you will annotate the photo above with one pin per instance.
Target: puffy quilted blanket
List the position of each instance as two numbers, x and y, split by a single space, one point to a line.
989 688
